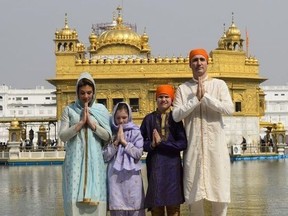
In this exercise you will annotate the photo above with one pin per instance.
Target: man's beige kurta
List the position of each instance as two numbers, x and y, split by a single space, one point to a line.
206 160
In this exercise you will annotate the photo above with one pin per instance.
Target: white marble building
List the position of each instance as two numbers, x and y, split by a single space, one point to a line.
276 107
276 111
37 103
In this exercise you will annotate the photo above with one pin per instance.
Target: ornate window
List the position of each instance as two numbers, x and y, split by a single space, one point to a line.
117 100
238 107
134 104
102 101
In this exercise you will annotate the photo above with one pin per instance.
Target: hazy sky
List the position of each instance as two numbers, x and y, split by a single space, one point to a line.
174 27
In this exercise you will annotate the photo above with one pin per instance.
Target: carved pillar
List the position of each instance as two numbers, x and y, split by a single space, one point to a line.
14 140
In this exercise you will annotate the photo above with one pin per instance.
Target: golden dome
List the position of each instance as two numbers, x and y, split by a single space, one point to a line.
93 38
42 128
120 34
280 126
66 32
233 32
14 123
221 42
145 37
231 39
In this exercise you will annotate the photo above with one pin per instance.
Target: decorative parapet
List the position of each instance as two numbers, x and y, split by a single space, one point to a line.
158 60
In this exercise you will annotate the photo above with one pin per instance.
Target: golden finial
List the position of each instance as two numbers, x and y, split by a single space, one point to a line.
119 18
119 10
232 17
66 21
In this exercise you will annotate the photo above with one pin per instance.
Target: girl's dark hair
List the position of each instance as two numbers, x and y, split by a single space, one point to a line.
84 82
122 106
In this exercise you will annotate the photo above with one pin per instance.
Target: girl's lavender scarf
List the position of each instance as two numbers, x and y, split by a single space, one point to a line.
133 136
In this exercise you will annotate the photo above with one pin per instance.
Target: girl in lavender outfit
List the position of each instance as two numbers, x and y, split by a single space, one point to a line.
125 187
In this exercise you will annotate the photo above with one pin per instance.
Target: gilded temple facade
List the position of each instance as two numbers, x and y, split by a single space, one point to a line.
120 61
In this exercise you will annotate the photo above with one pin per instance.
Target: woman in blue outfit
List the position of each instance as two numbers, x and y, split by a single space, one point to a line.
84 129
126 192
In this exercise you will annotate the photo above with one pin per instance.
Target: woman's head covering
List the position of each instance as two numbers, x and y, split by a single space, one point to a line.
202 52
165 89
86 75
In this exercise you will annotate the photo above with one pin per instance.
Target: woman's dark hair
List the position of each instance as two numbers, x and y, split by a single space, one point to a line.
84 82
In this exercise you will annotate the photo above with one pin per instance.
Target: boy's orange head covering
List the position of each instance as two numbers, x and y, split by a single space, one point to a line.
165 89
198 52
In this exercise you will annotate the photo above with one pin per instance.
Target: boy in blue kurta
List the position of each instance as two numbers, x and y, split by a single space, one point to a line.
164 139
84 128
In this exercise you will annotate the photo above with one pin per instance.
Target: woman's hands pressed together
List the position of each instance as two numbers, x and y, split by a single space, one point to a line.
86 119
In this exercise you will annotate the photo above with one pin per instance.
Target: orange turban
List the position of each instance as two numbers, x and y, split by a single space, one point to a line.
165 89
198 52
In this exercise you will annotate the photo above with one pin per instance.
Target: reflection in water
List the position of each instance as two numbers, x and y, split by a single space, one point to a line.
31 190
259 188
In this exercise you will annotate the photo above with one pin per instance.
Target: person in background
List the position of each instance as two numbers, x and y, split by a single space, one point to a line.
164 139
244 145
123 154
85 128
200 103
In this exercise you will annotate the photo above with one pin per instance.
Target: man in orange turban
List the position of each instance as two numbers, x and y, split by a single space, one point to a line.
200 103
195 52
198 62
